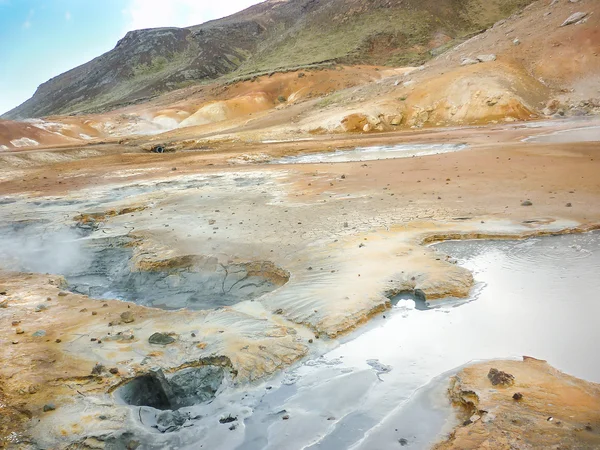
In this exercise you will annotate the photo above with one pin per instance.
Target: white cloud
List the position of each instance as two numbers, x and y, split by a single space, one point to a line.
179 13
68 16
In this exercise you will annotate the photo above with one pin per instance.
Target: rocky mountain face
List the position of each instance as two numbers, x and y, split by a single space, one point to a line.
271 36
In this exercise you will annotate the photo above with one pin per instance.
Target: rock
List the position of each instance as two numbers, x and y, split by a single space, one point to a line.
49 407
14 323
517 396
396 120
497 377
228 419
4 304
212 221
98 369
161 339
367 128
19 331
469 61
40 308
114 370
403 442
526 203
486 58
516 41
568 205
32 389
574 18
63 294
39 333
127 317
285 417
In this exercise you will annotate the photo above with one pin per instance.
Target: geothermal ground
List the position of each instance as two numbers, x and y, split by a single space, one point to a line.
212 297
326 257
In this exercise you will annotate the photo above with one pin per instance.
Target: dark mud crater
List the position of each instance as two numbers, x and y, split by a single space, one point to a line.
194 282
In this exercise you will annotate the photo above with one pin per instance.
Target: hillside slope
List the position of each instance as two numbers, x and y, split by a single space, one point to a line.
273 35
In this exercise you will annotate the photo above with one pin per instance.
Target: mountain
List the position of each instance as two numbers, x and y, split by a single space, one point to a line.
272 36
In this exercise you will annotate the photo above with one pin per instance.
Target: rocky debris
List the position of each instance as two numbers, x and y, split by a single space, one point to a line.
161 339
517 396
574 18
127 317
497 377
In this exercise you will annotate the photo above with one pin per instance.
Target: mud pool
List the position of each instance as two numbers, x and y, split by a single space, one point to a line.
373 153
386 382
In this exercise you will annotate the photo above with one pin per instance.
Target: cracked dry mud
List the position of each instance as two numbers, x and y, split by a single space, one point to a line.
290 260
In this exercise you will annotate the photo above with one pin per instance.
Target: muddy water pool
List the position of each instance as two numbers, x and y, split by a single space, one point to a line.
372 153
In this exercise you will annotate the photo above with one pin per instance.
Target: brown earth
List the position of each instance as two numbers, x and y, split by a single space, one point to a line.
552 410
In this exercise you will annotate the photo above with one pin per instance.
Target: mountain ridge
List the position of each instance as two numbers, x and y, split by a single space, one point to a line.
270 36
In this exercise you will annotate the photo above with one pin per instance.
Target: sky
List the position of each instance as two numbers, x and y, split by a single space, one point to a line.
40 39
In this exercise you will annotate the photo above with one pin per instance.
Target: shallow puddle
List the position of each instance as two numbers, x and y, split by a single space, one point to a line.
372 153
588 134
535 297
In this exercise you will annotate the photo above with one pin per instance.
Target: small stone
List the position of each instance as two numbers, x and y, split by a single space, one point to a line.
15 342
15 323
517 396
39 333
102 417
212 221
49 407
497 377
285 417
32 389
63 294
98 369
127 317
4 304
114 370
58 341
193 334
48 299
331 418
105 305
568 205
228 419
403 442
94 313
526 203
19 331
83 310
40 308
161 339
310 341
